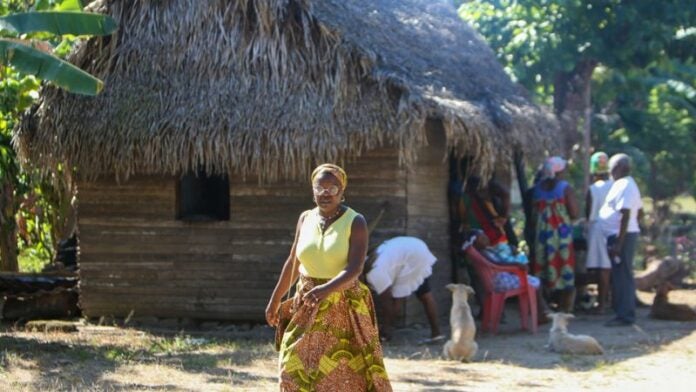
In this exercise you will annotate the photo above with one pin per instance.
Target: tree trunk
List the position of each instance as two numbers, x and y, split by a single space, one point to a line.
570 100
8 228
660 210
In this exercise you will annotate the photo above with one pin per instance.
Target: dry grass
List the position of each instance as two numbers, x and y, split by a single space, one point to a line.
655 355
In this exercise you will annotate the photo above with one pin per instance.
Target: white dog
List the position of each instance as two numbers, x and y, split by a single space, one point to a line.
461 346
561 341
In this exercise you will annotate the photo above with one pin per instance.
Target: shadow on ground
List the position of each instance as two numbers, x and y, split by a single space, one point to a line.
112 359
76 364
521 348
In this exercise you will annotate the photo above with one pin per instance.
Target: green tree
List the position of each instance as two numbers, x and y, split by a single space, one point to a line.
650 112
20 49
33 37
554 46
631 63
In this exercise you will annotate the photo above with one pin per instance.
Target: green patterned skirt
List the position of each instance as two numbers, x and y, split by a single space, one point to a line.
334 346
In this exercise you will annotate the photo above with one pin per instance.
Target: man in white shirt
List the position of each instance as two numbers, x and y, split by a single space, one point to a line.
619 216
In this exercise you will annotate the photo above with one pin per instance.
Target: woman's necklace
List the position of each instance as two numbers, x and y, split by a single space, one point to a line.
324 221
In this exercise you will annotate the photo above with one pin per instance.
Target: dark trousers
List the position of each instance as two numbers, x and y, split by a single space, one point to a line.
623 287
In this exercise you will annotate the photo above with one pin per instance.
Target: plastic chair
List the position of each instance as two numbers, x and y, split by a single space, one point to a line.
494 301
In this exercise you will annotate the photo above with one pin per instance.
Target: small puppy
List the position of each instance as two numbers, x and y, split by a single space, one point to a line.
461 346
662 309
561 341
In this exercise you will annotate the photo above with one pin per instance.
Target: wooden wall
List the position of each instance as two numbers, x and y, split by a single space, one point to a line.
428 217
134 255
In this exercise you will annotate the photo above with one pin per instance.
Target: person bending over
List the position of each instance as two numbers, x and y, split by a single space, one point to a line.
400 267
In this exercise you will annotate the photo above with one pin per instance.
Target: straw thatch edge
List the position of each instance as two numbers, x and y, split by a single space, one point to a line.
51 133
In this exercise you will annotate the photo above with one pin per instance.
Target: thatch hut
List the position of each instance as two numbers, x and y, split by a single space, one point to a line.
193 161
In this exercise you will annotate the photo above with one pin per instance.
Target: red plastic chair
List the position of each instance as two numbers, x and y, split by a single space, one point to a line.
494 301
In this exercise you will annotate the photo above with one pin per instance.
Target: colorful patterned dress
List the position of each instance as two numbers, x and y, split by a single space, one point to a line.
555 260
335 345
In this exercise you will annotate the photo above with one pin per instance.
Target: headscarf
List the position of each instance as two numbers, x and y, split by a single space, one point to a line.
599 163
335 170
552 165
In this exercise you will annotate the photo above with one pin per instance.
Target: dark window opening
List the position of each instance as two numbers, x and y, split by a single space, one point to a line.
203 197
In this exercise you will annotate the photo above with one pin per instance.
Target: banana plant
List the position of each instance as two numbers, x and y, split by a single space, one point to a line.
36 57
31 44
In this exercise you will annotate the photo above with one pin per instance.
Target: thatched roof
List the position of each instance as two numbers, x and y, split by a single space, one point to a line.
270 87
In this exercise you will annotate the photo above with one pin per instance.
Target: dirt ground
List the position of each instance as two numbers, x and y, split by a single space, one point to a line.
652 356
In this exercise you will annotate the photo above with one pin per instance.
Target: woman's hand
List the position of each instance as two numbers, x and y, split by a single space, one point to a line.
272 312
314 296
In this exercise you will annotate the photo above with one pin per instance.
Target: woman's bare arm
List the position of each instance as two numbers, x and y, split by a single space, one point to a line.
287 278
571 204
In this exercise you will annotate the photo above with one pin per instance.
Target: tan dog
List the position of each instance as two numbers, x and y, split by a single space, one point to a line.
561 341
461 346
664 310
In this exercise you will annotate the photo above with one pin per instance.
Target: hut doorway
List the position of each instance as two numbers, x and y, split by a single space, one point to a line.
455 187
499 194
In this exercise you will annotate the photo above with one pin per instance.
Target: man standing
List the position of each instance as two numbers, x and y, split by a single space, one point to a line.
619 216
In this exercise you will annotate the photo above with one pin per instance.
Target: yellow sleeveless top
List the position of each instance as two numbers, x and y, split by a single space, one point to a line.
324 255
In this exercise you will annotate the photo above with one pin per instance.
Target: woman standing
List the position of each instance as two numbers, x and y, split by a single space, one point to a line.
331 342
556 208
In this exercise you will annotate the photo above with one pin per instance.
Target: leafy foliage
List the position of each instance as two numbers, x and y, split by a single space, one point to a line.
58 23
536 39
32 61
19 47
643 91
650 114
17 92
35 209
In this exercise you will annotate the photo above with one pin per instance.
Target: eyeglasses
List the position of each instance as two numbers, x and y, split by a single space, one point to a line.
332 190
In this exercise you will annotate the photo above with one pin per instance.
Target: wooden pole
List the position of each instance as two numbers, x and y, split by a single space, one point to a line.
521 179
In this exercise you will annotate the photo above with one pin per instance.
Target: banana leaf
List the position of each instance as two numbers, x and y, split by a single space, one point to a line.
60 23
45 66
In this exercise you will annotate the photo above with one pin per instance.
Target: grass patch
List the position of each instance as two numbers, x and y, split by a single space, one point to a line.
7 359
120 354
3 361
609 368
602 364
578 362
178 344
199 362
82 354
